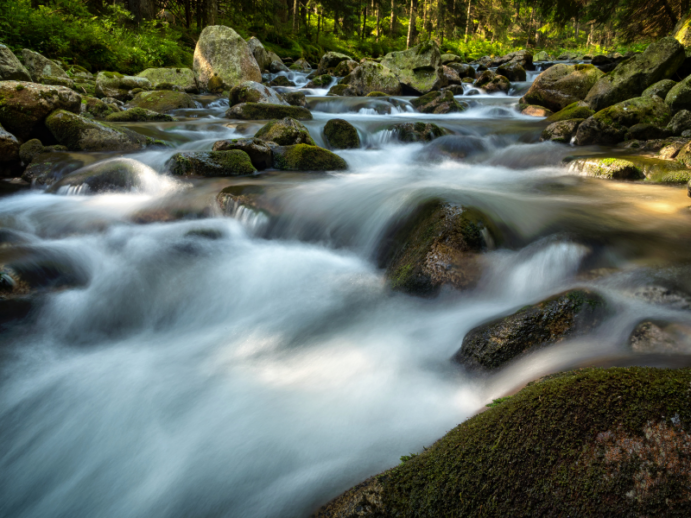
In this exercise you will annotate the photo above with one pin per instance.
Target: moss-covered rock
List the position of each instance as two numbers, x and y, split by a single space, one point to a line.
661 88
302 65
251 92
577 110
162 101
97 108
451 77
439 102
343 91
295 98
498 84
562 85
609 168
450 58
330 61
303 157
377 94
78 133
484 78
463 70
281 81
30 150
139 115
320 81
679 96
45 71
259 52
632 76
561 131
181 77
345 67
115 175
542 56
418 69
11 69
341 134
118 86
285 132
593 442
259 151
265 111
438 245
417 131
372 77
679 123
513 71
492 345
25 106
211 163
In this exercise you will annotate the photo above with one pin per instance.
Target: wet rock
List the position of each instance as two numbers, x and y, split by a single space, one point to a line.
561 131
281 81
80 134
9 186
116 175
679 123
330 61
303 157
377 94
321 81
513 71
577 110
632 76
418 69
671 149
45 71
543 56
251 92
25 106
221 52
9 146
238 198
562 85
344 91
118 86
97 108
162 101
302 65
450 58
524 58
372 77
341 134
439 245
277 66
679 96
211 163
259 151
417 131
139 115
455 89
451 77
645 131
484 78
661 88
600 60
439 102
345 67
259 52
50 167
265 111
453 147
463 70
285 132
536 111
295 98
180 77
498 84
11 69
608 168
31 149
661 338
492 345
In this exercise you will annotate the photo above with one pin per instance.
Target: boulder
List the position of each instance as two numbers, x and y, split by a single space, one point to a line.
562 85
661 338
341 134
577 110
679 96
118 86
162 101
285 132
295 98
418 69
343 91
535 111
450 58
498 83
679 123
30 150
251 92
281 81
542 56
49 167
277 66
438 245
180 77
139 115
302 65
463 70
25 106
456 89
45 71
260 54
494 344
513 71
484 78
607 168
661 88
600 60
345 67
321 81
524 58
233 162
451 77
115 175
330 61
221 51
645 131
439 102
11 69
92 106
377 94
372 77
259 151
561 131
9 146
303 157
632 76
265 111
609 126
78 133
417 131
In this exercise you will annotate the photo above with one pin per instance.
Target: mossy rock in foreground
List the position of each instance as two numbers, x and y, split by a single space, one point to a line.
594 442
303 157
341 134
211 163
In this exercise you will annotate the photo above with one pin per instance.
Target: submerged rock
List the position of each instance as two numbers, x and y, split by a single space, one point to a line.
661 338
303 157
265 111
341 134
372 77
162 101
259 151
285 132
418 69
211 163
11 69
181 77
417 131
251 92
561 131
116 175
45 71
609 168
295 98
562 85
139 115
439 102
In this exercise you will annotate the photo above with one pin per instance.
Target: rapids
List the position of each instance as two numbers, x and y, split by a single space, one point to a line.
230 366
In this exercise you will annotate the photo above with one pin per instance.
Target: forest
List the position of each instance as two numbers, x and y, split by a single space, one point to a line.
130 35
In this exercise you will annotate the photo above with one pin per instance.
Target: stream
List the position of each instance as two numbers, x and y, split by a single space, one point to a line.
233 365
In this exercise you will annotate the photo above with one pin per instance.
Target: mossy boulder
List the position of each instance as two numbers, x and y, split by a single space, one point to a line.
484 78
25 106
437 245
451 77
439 102
450 58
115 175
343 91
632 76
295 98
418 69
679 96
11 69
78 133
492 345
139 115
577 110
9 146
260 151
180 77
521 57
377 94
222 52
330 61
162 101
417 131
320 81
562 85
251 92
277 66
463 70
32 149
542 56
608 168
513 71
661 88
281 81
45 71
265 111
211 163
303 157
260 54
498 83
679 123
373 77
285 132
345 67
592 442
97 108
561 131
341 134
118 86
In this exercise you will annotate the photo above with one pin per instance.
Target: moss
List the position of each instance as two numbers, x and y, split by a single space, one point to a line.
211 164
577 110
303 157
138 115
266 111
377 94
19 88
285 132
163 100
341 134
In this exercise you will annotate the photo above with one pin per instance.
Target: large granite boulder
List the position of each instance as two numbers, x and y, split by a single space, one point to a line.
117 86
679 96
661 88
524 58
303 157
11 69
182 78
373 77
252 92
162 101
221 52
561 85
266 111
330 61
418 68
632 76
260 54
285 132
513 71
233 162
45 71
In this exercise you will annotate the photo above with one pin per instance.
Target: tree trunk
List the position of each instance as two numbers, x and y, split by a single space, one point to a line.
188 14
295 16
141 9
530 26
467 21
393 19
378 19
364 22
670 12
411 25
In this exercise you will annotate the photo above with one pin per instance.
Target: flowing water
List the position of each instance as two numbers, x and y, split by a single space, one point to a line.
243 365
